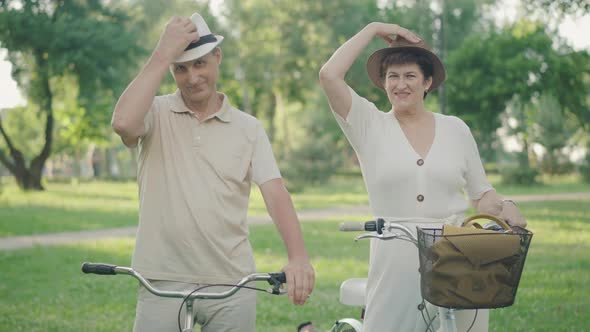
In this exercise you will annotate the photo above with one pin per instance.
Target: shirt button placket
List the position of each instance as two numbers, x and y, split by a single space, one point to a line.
420 182
196 135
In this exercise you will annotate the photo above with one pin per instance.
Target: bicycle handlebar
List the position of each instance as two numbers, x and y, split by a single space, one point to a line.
384 229
99 268
368 226
274 279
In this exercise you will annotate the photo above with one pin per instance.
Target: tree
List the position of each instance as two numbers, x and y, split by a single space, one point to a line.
443 24
490 69
553 131
275 51
519 120
277 48
559 7
48 40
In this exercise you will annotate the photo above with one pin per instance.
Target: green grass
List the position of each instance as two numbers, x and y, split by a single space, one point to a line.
67 207
548 185
100 205
42 289
553 294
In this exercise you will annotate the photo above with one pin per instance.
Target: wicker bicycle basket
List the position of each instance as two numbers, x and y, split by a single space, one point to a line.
471 271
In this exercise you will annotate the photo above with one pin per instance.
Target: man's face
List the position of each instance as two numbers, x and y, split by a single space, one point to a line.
197 79
405 85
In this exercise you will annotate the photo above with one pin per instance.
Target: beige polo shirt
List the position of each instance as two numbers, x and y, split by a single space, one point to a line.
194 187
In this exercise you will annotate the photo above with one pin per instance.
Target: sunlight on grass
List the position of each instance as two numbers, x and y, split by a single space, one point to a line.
555 282
340 191
102 196
100 205
48 284
67 207
547 185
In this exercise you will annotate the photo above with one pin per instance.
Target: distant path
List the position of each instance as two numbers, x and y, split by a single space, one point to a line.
19 242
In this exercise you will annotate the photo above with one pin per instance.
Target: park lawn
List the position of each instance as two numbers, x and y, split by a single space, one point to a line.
100 205
548 185
42 289
67 207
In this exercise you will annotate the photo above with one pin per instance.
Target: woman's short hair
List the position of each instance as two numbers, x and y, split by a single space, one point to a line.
408 57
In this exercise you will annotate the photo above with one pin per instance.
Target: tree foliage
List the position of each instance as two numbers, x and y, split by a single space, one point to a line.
490 69
560 7
74 57
48 40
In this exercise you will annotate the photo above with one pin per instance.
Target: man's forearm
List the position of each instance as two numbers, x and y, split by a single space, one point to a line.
288 225
281 210
299 272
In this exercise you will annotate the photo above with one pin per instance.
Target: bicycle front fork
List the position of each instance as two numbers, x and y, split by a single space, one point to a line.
447 320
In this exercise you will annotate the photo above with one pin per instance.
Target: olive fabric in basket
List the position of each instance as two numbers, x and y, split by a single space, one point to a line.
468 268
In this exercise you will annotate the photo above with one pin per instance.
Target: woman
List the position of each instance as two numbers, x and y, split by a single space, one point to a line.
415 164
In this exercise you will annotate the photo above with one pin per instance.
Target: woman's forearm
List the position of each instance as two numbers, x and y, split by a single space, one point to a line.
341 61
492 203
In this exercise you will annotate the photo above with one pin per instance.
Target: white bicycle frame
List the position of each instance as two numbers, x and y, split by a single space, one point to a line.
394 230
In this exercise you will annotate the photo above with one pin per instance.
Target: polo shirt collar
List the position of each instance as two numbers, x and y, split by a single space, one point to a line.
178 106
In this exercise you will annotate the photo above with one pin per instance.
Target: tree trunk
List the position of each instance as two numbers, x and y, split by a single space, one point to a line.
442 96
283 122
272 107
110 165
38 162
524 162
27 178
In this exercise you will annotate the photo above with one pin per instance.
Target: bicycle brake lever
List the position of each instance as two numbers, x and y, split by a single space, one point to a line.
276 291
376 236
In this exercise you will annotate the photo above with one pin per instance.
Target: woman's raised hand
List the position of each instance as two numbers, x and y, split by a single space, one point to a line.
389 32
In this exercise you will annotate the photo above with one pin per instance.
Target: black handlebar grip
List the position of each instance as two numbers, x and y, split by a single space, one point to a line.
98 268
279 276
371 226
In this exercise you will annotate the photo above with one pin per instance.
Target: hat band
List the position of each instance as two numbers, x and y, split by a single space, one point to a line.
206 39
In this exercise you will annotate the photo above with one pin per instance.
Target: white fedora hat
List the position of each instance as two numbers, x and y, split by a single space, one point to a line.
206 43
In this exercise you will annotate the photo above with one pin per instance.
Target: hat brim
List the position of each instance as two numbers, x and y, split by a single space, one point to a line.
200 51
374 65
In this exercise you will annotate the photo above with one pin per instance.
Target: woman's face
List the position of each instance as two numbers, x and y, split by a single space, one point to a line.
405 85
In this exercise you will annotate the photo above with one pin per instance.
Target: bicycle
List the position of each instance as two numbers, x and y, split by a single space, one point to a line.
352 291
274 279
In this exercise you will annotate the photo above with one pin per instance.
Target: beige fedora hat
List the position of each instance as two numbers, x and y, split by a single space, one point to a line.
401 45
206 43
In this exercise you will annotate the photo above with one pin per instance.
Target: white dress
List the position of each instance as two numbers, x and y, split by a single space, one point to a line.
401 183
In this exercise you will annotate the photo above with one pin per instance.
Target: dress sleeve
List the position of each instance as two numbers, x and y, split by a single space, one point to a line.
357 123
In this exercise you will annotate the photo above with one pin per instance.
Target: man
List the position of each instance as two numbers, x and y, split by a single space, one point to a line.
197 158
